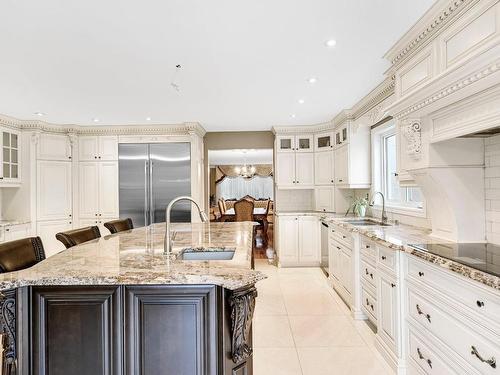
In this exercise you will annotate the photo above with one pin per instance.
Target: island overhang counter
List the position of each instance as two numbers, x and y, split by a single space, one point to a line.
118 305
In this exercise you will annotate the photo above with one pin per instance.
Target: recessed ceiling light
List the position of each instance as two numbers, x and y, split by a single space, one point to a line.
148 118
95 119
293 115
301 101
331 43
39 113
312 80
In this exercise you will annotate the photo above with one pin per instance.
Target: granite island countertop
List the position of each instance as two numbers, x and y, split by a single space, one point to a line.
399 237
136 257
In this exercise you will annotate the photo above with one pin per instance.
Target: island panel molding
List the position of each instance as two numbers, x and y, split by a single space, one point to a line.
8 314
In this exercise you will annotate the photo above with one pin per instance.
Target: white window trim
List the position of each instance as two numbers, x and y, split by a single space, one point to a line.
378 182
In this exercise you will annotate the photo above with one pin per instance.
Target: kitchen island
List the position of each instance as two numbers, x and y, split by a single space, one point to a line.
118 305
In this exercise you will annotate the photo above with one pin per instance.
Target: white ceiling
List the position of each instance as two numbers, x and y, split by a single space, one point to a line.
237 157
245 64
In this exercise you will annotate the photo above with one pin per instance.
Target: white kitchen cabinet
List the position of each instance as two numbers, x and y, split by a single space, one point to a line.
294 170
10 173
285 143
98 190
288 242
324 167
324 199
295 143
345 267
298 240
54 190
16 232
96 148
47 231
309 236
99 222
54 147
342 135
389 308
324 141
342 165
304 169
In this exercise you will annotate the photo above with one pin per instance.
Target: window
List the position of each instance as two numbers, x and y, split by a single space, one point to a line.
387 180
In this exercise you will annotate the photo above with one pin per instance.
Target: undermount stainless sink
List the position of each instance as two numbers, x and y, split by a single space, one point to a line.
206 254
366 222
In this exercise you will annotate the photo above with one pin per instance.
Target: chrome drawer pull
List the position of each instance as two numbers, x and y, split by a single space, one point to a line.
492 361
366 271
420 312
371 275
420 355
480 303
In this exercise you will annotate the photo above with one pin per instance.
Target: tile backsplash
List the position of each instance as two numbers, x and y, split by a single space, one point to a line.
294 200
492 186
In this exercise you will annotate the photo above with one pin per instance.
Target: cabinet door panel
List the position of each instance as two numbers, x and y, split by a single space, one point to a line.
324 141
54 147
54 193
88 149
323 168
342 165
324 199
108 148
285 143
288 239
285 169
89 190
309 250
388 308
304 169
108 190
47 231
76 330
155 315
346 270
304 143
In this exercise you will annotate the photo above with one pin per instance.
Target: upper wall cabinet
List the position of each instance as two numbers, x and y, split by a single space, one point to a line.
10 157
294 143
324 141
94 148
341 135
295 170
54 147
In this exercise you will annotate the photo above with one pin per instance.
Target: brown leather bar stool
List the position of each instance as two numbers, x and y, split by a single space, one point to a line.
20 254
116 226
75 237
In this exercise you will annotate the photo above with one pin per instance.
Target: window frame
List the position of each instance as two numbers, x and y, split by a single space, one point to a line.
379 175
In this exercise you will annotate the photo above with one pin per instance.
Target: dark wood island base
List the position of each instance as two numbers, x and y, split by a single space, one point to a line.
127 329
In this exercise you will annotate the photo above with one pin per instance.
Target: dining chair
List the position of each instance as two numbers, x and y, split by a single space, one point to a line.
21 254
263 223
78 236
120 225
243 210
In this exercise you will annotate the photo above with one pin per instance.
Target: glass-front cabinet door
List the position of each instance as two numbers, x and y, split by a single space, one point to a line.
304 143
10 156
285 143
323 141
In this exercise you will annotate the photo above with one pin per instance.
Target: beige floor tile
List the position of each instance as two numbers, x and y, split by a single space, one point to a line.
270 304
345 361
324 331
276 361
311 303
272 332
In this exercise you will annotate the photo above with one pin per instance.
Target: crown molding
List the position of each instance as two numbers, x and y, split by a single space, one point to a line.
380 93
324 126
185 128
442 13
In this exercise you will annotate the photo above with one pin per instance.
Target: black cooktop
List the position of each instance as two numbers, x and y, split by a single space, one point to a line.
480 256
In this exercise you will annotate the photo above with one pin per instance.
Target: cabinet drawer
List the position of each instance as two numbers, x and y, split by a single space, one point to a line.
483 305
369 304
387 258
425 356
342 236
368 251
466 341
368 273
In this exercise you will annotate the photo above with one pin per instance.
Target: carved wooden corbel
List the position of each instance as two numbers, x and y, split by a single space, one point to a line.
242 304
8 324
412 131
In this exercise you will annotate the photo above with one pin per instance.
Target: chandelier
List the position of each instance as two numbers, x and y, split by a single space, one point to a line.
246 171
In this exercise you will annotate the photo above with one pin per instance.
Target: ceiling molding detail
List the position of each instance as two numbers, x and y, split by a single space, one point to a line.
425 30
452 88
172 129
324 126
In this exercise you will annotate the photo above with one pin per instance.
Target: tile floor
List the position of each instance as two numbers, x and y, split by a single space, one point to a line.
302 327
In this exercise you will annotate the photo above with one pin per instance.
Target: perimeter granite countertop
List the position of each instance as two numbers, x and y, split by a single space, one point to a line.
136 257
399 237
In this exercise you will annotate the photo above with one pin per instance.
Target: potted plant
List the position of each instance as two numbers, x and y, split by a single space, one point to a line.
359 206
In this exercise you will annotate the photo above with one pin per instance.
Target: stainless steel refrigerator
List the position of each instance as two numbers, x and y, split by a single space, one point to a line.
151 175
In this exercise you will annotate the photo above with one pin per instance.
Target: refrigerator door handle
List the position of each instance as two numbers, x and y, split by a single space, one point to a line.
151 196
146 190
